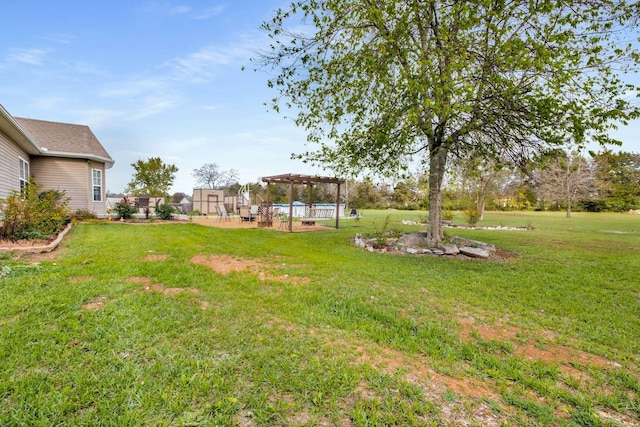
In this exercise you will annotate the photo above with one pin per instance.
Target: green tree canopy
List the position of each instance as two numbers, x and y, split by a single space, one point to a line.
378 84
619 175
151 177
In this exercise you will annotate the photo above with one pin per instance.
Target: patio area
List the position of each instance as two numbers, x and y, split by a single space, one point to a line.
235 222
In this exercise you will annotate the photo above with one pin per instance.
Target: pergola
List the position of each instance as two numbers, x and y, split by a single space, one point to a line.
310 180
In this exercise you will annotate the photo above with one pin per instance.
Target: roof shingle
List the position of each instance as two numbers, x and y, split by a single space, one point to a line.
67 138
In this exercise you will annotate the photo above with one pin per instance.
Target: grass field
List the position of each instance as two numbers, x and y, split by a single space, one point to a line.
182 324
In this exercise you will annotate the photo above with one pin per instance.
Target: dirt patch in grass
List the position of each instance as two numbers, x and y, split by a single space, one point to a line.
143 280
80 279
418 372
96 303
155 257
486 332
297 226
565 358
225 264
149 286
560 354
170 291
532 350
436 386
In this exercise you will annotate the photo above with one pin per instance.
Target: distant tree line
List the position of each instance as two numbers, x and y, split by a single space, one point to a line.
606 181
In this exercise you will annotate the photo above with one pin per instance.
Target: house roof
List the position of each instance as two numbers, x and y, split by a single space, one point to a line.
9 126
65 140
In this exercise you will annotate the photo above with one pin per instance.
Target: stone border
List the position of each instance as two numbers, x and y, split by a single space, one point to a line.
38 249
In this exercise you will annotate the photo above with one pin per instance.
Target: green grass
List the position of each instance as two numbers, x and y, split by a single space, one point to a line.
326 333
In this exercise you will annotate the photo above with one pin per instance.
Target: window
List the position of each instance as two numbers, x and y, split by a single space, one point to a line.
24 173
97 185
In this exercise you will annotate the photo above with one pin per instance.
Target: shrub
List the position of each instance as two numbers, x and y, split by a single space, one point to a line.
472 215
82 215
33 214
124 210
164 211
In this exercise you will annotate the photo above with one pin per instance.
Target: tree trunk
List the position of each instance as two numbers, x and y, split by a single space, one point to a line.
437 165
480 207
568 208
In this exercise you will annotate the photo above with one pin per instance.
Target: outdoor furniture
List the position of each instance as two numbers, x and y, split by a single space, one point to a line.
244 213
254 211
248 213
316 214
284 221
222 212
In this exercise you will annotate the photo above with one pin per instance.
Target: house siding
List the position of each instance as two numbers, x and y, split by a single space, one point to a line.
9 155
74 177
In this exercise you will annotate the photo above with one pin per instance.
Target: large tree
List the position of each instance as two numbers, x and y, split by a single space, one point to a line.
152 177
566 179
211 176
378 84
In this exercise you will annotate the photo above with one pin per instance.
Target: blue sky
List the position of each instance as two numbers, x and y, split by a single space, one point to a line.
156 79
150 79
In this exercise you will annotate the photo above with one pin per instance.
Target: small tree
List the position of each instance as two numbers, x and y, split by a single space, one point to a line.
152 177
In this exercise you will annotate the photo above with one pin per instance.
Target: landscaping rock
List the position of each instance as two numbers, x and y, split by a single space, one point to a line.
475 252
417 243
415 239
449 249
460 241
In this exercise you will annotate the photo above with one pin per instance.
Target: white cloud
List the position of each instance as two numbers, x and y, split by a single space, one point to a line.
209 13
31 56
50 103
99 117
132 88
80 67
151 105
179 10
60 38
200 66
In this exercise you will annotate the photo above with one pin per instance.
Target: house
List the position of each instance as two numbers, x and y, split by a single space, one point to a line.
59 156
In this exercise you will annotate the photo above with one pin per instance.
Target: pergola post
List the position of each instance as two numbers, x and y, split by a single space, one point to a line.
338 207
310 199
291 207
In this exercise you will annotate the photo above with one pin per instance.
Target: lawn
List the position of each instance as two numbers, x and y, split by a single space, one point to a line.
181 324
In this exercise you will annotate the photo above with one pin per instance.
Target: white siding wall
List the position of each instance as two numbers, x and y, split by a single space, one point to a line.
73 176
9 172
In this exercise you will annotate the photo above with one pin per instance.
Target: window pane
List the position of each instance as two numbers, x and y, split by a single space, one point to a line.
97 185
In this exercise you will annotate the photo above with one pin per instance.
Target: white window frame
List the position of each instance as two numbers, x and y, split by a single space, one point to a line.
96 173
23 178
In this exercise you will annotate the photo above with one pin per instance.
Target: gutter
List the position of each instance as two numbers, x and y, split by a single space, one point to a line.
35 148
108 162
